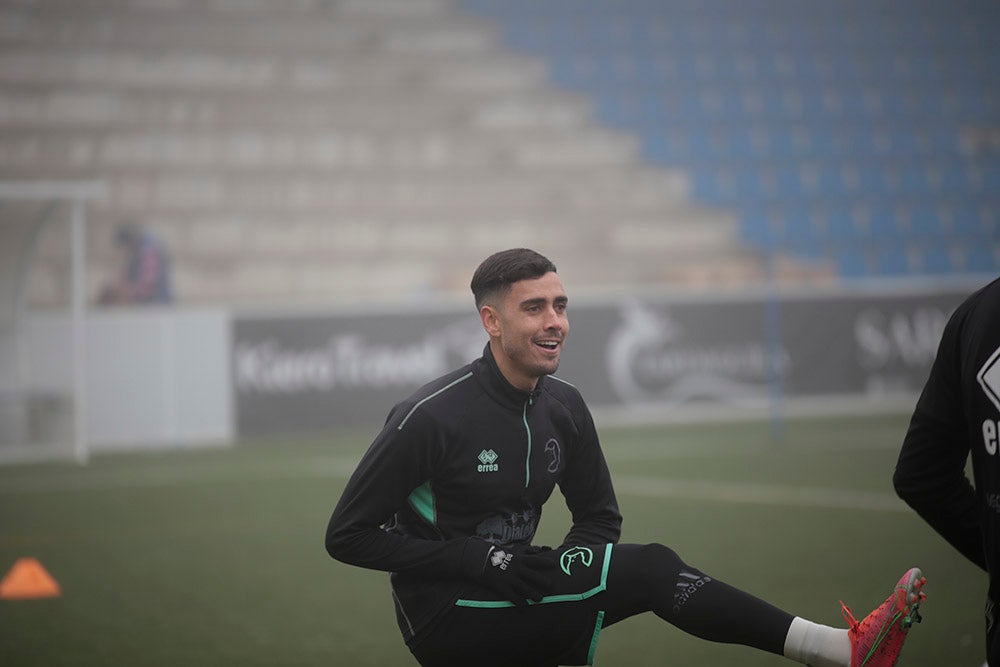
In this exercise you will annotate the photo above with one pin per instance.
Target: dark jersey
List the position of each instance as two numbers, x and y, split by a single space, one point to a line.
467 460
147 276
958 413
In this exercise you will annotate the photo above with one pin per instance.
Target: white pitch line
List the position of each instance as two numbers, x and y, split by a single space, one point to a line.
758 494
335 467
167 476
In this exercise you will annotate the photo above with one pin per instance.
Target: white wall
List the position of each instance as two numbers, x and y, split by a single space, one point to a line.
155 377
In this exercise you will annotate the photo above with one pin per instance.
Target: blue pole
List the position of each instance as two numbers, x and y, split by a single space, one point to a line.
774 340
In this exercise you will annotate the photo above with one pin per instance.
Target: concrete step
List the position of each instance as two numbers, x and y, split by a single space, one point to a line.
30 106
378 193
332 30
267 72
271 149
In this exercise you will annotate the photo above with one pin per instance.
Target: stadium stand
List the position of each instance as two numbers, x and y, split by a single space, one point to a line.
312 152
860 133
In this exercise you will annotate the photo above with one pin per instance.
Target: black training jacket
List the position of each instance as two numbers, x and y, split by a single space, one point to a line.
467 461
959 411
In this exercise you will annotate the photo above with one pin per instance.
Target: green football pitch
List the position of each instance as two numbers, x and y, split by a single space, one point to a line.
215 557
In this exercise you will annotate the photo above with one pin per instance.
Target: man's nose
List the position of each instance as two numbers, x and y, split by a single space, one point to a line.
553 319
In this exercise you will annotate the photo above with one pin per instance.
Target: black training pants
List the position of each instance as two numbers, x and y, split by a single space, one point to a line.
595 587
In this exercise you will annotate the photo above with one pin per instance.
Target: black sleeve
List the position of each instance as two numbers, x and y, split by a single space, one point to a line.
930 472
398 461
587 487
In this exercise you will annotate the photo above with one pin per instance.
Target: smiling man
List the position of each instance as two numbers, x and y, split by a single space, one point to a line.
449 496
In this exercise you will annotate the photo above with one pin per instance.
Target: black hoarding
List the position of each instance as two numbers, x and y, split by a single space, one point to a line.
300 373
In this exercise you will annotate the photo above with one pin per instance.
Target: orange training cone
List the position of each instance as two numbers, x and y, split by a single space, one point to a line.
27 580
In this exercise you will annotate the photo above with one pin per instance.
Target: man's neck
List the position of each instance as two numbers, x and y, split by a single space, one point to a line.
503 363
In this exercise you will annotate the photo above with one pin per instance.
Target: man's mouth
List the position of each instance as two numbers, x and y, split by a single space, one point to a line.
550 345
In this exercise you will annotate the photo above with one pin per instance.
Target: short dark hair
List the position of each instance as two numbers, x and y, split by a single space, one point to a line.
500 270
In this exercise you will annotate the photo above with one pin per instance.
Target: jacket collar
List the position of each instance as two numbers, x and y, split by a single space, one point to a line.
500 389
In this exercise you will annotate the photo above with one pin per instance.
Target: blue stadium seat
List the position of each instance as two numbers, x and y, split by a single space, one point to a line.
892 261
755 228
937 260
874 179
842 226
884 225
981 259
991 176
853 263
926 224
787 104
911 179
968 223
801 236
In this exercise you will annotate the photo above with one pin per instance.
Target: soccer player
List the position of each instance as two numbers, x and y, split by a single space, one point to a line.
958 412
450 493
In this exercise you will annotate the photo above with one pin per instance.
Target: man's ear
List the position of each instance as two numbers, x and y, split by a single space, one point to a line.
491 320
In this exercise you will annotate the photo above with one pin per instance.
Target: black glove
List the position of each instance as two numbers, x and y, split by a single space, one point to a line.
517 577
532 550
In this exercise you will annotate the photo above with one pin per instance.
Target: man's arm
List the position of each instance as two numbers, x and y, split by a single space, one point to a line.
587 487
930 477
397 462
930 473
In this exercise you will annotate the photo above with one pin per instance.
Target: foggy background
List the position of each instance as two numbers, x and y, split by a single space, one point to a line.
356 159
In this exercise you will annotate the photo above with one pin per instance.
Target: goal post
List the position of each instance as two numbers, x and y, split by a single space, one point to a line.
43 366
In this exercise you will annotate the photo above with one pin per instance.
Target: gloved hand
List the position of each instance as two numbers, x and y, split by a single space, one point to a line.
532 549
517 577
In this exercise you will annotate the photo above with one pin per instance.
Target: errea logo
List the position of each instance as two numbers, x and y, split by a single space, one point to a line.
500 558
487 461
989 380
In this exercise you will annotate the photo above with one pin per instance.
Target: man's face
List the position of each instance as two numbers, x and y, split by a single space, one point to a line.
527 329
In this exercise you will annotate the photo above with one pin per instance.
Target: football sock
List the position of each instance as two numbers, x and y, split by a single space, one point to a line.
817 645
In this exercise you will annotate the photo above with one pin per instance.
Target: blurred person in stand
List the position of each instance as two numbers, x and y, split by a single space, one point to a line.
144 277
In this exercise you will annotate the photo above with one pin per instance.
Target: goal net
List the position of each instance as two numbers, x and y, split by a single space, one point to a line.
43 407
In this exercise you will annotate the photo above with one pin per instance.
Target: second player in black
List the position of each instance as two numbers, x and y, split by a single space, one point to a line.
958 416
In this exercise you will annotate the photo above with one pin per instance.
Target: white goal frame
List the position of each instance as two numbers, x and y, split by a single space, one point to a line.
76 194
